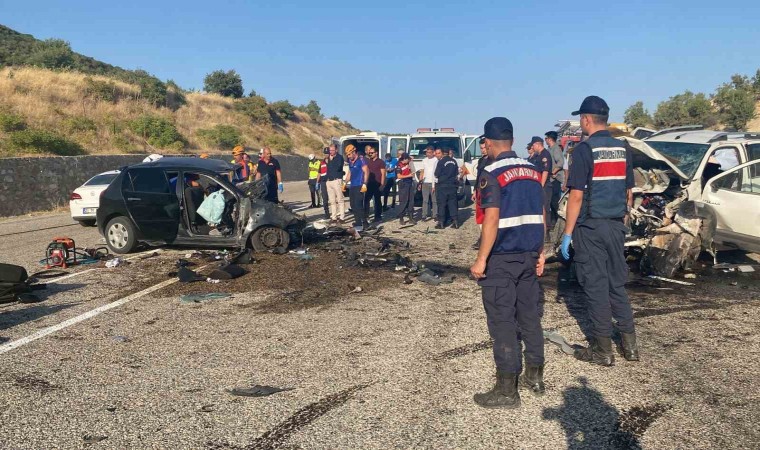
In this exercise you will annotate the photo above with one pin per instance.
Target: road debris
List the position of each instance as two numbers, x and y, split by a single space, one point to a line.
257 391
690 276
670 280
200 298
115 262
555 338
745 269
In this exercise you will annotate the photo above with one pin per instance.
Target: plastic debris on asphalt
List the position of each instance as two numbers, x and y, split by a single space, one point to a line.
257 391
199 298
115 262
670 280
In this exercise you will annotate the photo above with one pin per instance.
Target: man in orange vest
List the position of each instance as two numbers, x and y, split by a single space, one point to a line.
245 170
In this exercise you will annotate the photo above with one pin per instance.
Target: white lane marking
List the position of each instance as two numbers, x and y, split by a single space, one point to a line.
82 317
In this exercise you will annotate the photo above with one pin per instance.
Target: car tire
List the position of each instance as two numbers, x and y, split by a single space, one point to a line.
87 223
120 235
269 238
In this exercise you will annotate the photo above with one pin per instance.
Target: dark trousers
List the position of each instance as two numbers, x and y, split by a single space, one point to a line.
447 202
313 192
406 198
602 272
272 194
511 298
556 188
356 200
325 198
548 201
375 194
390 189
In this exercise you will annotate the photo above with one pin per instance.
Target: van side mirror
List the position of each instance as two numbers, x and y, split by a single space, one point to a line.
467 157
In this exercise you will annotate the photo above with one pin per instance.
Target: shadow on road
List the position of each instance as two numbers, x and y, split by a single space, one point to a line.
589 421
11 318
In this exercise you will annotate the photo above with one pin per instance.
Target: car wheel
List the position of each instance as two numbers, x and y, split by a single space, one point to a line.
87 223
120 235
268 238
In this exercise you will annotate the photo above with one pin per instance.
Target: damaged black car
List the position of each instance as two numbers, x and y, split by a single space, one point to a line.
187 201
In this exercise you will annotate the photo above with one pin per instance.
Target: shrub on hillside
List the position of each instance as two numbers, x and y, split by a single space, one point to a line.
11 122
41 141
158 132
685 109
313 110
79 124
175 96
313 144
255 108
283 109
101 90
51 54
278 142
227 84
220 136
153 91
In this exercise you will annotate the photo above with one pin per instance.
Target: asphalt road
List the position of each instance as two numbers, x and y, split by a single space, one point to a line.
112 359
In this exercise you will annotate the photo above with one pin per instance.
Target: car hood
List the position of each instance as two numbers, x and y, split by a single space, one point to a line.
647 158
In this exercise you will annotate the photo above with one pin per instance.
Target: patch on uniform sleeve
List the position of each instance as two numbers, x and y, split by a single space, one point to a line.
544 159
483 182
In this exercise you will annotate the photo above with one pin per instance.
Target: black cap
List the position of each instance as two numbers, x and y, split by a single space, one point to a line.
498 128
535 139
593 105
551 135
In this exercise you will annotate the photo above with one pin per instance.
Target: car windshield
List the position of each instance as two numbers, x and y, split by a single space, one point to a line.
103 179
417 145
684 155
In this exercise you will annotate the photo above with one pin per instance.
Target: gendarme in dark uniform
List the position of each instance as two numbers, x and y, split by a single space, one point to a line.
543 162
510 186
446 172
601 174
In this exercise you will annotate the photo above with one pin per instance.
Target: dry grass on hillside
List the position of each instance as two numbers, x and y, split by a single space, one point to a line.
52 101
754 124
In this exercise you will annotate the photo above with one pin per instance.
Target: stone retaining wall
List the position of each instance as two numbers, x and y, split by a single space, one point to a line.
40 184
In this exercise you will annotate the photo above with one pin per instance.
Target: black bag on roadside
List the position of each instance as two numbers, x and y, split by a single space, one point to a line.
13 281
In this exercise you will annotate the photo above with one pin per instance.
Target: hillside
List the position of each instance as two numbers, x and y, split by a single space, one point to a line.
754 124
56 101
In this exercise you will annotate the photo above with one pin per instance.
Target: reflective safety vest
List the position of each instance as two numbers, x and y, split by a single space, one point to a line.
521 212
323 168
314 167
244 170
606 197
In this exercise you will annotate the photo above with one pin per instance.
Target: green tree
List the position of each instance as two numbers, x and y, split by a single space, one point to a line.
256 108
756 83
637 116
158 131
313 110
153 91
52 54
283 109
735 104
278 142
227 84
685 109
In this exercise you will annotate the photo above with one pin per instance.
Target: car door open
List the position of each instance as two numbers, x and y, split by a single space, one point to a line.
152 203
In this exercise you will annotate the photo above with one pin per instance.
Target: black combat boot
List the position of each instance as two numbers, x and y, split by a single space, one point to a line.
630 346
599 352
401 221
503 395
533 379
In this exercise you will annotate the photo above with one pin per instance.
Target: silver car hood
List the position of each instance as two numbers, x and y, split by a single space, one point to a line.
647 158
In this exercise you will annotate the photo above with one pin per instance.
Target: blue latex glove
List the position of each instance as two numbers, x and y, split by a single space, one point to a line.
565 246
280 187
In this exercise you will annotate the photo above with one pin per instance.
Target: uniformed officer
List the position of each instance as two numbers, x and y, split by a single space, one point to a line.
446 183
600 182
508 262
542 159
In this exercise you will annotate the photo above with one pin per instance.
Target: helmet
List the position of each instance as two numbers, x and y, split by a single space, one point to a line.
311 156
204 156
350 148
153 157
238 150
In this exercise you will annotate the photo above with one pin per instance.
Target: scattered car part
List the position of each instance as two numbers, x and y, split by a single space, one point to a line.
257 391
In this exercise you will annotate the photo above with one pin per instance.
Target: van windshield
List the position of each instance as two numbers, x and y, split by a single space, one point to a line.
417 145
684 155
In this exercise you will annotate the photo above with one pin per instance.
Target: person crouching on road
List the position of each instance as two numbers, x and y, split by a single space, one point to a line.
375 184
406 188
322 182
508 263
314 166
600 180
447 181
356 182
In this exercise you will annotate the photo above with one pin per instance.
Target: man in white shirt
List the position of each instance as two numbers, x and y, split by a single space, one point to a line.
427 183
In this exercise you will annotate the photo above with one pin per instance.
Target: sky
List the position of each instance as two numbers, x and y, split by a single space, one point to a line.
396 66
